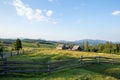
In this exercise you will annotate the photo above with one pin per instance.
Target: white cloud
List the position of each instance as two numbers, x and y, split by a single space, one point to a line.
31 14
116 13
49 13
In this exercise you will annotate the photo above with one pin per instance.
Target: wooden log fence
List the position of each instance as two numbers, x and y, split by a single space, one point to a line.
7 66
12 53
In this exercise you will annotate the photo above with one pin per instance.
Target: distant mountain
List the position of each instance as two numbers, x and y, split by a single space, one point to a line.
62 41
7 41
90 41
10 41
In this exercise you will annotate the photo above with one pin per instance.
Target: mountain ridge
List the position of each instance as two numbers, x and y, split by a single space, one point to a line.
90 41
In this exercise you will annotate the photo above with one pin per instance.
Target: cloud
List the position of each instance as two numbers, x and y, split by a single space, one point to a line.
49 13
31 14
116 13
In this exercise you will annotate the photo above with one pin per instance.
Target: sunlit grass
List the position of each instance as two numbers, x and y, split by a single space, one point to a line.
76 54
54 54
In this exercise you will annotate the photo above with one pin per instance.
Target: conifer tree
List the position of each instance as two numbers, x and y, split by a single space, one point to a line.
86 48
18 45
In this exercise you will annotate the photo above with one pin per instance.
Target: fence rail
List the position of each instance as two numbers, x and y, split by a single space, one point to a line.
41 67
12 53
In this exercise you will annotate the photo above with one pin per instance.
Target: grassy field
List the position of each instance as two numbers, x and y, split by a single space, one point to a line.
30 45
89 72
42 45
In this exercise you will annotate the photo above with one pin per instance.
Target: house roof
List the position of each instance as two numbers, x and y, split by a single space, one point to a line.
61 45
75 47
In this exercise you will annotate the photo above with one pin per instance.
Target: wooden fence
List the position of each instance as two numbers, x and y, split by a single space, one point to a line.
47 67
12 53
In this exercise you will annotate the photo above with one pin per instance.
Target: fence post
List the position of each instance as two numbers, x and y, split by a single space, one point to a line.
1 54
17 52
23 51
48 66
11 52
98 60
112 61
81 60
4 66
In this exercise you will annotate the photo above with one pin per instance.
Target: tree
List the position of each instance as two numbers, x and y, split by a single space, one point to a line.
86 48
117 48
1 43
38 44
1 49
100 47
91 48
17 45
82 46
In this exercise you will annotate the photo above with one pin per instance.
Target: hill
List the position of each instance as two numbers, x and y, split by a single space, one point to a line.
90 41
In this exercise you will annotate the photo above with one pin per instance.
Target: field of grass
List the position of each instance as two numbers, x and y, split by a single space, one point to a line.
42 45
29 46
89 72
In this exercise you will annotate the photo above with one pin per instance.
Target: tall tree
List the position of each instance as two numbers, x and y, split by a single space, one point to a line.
86 48
100 47
0 43
117 48
38 44
1 49
83 46
18 45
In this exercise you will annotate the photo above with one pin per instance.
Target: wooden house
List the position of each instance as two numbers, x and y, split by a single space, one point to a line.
61 46
76 48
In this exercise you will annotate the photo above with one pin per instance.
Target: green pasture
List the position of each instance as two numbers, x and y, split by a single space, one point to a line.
86 72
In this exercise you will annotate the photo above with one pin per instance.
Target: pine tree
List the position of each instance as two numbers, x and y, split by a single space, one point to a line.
86 48
1 49
100 47
18 45
117 48
38 44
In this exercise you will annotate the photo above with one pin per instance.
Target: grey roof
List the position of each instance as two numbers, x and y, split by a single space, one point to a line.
75 47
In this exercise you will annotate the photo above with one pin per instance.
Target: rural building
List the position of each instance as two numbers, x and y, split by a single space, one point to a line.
61 46
67 47
76 48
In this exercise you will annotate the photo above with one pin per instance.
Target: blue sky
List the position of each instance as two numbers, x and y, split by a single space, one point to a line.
60 19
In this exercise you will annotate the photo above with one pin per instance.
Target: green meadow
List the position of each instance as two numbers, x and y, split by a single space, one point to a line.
86 72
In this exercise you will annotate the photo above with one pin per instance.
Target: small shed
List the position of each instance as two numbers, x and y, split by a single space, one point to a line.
76 48
60 46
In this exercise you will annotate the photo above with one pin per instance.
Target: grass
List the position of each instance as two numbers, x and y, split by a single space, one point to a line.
80 73
42 45
87 72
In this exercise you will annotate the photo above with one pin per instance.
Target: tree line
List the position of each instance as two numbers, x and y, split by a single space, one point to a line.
108 47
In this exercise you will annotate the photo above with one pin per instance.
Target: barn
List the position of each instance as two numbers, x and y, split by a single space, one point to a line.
76 48
61 46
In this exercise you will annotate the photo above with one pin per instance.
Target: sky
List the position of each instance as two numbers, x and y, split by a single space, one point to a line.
60 19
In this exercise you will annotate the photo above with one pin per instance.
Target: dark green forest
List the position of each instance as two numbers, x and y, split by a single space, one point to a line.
107 47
